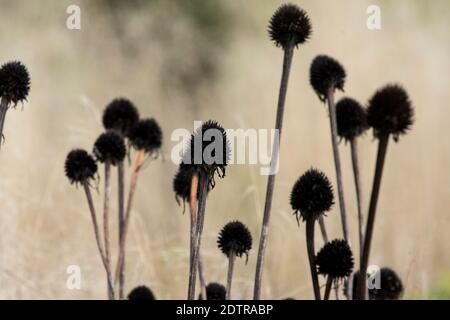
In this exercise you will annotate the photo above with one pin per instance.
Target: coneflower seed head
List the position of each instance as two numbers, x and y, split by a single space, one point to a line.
326 73
80 166
146 135
121 115
235 237
351 119
14 82
141 293
110 146
335 259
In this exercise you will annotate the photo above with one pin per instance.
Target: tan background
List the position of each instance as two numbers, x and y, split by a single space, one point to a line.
180 62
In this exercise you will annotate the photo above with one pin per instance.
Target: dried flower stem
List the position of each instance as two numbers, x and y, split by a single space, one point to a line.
203 184
381 155
231 260
337 161
201 277
193 213
139 160
121 212
87 190
4 104
312 256
328 288
106 217
323 229
287 61
354 152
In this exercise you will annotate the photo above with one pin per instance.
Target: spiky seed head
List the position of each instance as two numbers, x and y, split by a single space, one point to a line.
110 146
208 150
80 166
351 119
141 293
182 184
390 111
146 135
326 73
391 286
14 82
235 237
335 259
289 25
312 195
214 291
121 115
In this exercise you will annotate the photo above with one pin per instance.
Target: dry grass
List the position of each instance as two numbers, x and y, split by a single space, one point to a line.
45 226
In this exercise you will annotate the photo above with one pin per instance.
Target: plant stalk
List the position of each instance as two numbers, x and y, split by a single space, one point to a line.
106 218
231 260
312 256
323 229
3 109
328 288
87 191
287 61
355 164
193 214
337 161
381 155
121 213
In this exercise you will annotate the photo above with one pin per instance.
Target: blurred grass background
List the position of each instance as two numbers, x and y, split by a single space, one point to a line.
181 61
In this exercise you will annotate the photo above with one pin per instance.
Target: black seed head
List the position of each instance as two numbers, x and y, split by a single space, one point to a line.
335 259
214 291
14 82
235 237
121 115
326 73
391 286
141 293
110 146
390 111
351 118
182 184
289 25
146 135
80 166
208 150
312 195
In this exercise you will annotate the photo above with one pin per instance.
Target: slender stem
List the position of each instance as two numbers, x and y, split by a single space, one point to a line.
87 190
106 217
312 256
354 152
122 251
337 161
203 184
323 229
328 288
382 148
287 61
231 260
193 209
121 214
3 109
201 277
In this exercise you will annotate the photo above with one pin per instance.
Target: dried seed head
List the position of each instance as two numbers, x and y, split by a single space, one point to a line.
312 195
146 135
390 111
391 286
289 25
326 73
351 118
14 82
235 237
182 184
141 293
80 166
110 146
335 259
214 291
208 151
121 115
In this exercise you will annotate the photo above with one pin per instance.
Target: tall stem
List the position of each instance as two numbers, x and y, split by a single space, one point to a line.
203 184
201 277
3 109
382 148
231 260
106 217
120 269
121 213
355 164
323 229
193 214
312 256
98 241
328 288
287 61
337 161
